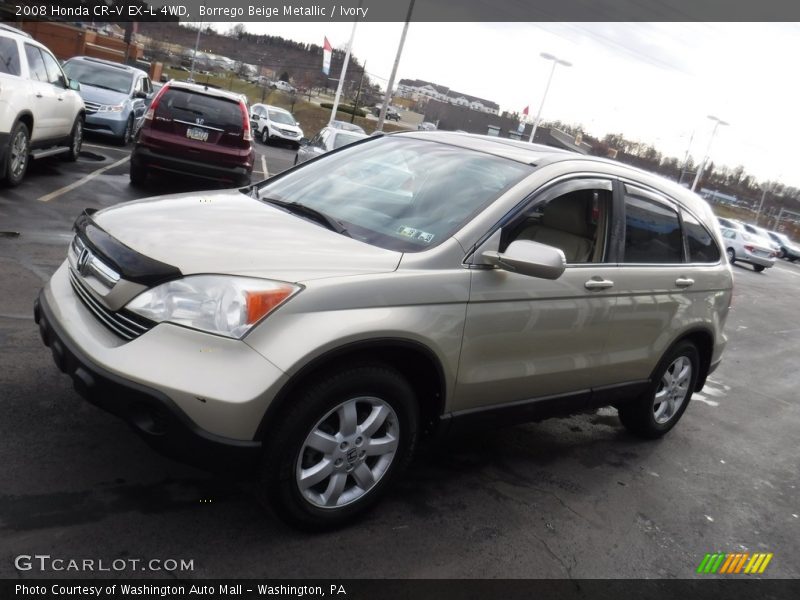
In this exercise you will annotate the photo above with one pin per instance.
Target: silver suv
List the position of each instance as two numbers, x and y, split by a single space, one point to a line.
320 322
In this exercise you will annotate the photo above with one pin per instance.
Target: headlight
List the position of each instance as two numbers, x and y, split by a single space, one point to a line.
225 305
110 108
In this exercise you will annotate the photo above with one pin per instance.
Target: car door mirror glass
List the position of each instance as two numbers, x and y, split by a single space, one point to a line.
140 94
74 85
529 258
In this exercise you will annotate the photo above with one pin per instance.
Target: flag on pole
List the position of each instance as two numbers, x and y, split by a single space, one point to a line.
521 126
327 50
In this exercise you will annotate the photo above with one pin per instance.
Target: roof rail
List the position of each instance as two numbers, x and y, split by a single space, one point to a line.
11 29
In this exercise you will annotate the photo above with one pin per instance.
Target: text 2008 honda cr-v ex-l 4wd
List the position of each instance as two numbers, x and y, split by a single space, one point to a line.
317 324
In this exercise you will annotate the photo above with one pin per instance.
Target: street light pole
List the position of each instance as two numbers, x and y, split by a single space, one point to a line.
702 167
388 97
194 54
556 61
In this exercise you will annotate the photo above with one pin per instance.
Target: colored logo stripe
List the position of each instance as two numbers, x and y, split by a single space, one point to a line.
734 563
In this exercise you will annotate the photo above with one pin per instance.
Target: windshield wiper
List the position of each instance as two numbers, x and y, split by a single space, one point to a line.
312 213
104 87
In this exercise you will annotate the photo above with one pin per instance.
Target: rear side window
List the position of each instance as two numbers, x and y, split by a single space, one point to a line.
652 230
199 109
702 247
9 57
35 63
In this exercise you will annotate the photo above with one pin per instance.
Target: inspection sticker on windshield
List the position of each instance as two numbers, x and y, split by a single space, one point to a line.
415 234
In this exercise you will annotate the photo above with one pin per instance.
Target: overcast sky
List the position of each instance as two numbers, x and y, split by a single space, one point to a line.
653 82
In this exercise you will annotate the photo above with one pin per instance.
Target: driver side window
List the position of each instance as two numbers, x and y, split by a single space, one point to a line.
573 217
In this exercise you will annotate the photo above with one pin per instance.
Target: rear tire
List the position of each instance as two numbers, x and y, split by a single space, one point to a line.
758 268
17 155
138 175
661 406
344 439
731 255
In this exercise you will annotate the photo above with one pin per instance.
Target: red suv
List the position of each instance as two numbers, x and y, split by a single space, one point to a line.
195 130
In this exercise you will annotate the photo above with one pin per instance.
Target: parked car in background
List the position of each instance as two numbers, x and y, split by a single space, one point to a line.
764 235
198 131
328 138
116 96
730 223
41 111
274 124
346 126
788 249
747 247
426 126
283 86
317 324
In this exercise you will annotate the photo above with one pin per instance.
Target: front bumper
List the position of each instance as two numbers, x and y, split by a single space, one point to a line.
203 408
106 123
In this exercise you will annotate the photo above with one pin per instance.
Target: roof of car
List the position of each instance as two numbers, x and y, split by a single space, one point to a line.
108 63
540 155
204 89
14 30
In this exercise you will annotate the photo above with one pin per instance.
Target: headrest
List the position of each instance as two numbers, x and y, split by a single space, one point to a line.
569 213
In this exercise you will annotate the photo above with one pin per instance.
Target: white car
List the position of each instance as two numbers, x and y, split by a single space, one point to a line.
328 138
41 112
283 86
747 247
271 123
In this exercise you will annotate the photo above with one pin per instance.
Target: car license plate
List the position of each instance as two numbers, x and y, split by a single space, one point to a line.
195 133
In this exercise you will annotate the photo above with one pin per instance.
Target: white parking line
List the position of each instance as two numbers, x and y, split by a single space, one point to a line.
85 145
80 182
264 165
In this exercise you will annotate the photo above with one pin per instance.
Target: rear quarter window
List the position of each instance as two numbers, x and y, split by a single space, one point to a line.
702 247
9 57
200 109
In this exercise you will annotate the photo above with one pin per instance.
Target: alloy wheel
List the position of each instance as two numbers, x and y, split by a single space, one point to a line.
347 452
19 154
673 390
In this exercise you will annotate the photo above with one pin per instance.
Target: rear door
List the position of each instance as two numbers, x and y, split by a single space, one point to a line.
200 127
47 114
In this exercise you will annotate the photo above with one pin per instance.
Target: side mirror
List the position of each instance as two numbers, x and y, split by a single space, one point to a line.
74 85
529 258
140 94
303 141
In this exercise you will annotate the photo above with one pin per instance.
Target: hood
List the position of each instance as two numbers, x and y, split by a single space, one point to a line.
89 93
229 232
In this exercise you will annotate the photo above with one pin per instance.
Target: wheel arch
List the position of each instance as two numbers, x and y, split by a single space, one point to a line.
413 360
26 117
703 339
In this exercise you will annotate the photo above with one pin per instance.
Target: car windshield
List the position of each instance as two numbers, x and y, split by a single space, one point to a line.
342 139
399 193
281 117
97 75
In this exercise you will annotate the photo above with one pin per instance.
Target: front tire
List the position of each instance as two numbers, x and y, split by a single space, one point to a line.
127 134
265 136
76 140
17 155
341 444
758 268
659 408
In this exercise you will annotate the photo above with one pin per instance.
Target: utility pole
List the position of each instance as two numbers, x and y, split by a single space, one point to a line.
358 93
390 85
702 167
686 159
194 54
344 71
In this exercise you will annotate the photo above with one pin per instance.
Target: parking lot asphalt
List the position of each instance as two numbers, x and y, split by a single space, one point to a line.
572 497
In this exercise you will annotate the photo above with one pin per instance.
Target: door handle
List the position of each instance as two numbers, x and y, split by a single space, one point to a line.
38 94
683 282
598 284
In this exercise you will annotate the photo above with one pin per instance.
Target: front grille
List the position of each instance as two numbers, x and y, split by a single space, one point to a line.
288 133
126 326
91 107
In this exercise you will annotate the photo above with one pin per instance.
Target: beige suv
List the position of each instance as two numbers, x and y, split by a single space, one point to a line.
320 322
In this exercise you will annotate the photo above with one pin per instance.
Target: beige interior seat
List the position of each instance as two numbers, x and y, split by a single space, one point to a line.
565 225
